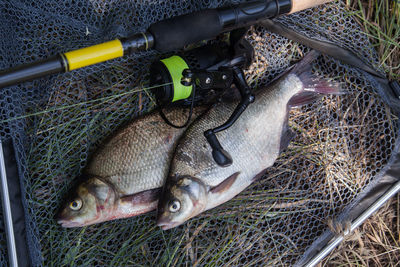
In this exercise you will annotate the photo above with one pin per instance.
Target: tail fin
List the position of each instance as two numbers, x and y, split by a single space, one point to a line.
313 86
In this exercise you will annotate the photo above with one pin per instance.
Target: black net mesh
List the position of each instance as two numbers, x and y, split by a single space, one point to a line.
342 142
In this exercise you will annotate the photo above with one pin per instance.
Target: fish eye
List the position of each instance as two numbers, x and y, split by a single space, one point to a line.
174 205
76 204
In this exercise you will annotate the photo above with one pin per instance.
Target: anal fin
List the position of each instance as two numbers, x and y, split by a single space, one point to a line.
286 138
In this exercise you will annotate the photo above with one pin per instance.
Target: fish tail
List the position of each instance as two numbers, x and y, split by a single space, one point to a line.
313 86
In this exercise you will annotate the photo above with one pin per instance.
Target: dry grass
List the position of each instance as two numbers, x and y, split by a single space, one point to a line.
377 241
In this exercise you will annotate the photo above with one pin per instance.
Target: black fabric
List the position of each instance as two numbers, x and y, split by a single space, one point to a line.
395 85
17 209
322 46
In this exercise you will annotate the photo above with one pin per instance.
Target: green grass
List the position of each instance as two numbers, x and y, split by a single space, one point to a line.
381 22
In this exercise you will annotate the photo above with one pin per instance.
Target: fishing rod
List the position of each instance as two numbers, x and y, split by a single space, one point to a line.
164 36
202 75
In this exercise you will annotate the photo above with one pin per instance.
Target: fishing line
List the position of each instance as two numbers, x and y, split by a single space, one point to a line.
106 99
167 121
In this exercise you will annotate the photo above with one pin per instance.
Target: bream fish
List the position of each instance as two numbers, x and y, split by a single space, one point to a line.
196 183
126 173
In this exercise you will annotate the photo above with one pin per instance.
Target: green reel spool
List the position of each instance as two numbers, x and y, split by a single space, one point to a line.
167 73
175 66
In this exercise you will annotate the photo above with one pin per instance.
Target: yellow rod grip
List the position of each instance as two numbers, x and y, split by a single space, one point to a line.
298 5
94 54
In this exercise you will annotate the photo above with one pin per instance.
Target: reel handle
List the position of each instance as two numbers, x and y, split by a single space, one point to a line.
220 155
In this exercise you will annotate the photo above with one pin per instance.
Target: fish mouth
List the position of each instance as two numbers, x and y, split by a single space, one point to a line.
65 220
166 225
68 224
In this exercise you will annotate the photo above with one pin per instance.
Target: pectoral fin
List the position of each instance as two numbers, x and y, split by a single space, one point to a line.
225 184
141 198
136 204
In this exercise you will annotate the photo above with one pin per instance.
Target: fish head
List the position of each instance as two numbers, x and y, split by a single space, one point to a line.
181 200
91 201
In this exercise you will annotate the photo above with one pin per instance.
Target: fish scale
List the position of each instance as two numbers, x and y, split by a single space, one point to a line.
246 140
196 183
124 176
136 158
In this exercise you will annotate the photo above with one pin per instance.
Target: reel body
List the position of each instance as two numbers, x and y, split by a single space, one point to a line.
202 76
168 73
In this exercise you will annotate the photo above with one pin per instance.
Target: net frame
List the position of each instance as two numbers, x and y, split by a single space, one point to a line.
104 21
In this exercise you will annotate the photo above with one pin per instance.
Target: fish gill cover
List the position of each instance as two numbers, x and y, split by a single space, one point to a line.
342 142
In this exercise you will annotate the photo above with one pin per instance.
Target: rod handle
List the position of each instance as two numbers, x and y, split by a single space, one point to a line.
298 5
177 32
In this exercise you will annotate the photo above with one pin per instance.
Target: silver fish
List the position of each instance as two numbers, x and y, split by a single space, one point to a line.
124 176
196 183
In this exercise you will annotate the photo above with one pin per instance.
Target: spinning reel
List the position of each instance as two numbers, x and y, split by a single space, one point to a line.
201 76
